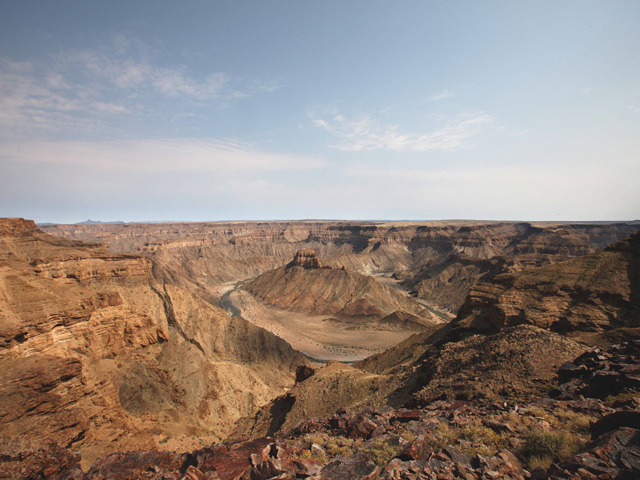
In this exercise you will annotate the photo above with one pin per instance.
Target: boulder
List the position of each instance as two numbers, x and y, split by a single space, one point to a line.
356 467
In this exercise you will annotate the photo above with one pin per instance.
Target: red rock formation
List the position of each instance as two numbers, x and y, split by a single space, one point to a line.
306 259
16 226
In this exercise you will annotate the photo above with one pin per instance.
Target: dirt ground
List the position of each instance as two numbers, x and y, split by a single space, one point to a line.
317 336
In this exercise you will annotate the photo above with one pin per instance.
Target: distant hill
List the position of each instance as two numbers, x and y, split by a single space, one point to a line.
94 222
331 291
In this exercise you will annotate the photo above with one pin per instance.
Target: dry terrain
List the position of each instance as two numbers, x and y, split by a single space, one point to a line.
319 337
97 355
438 261
120 344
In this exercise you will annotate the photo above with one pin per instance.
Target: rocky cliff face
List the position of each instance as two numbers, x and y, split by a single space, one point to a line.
306 259
592 296
439 261
97 355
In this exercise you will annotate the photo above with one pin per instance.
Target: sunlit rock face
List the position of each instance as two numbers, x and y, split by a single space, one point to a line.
306 259
438 261
591 296
96 354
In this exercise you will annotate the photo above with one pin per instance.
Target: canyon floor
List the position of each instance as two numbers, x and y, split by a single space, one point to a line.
319 337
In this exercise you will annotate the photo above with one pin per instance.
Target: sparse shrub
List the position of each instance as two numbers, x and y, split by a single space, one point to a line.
317 456
341 446
543 445
573 421
476 432
408 435
488 441
622 397
484 450
516 419
541 413
381 452
536 462
318 438
442 436
538 413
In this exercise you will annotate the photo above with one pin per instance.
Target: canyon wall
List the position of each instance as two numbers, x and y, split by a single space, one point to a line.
595 296
98 355
437 261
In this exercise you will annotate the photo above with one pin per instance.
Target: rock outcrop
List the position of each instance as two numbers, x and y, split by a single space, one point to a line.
592 296
306 259
329 389
512 365
337 292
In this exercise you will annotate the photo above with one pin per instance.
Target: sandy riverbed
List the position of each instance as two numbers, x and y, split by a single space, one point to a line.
317 336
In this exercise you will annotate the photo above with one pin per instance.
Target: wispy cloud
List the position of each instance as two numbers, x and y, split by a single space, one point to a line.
181 155
80 89
442 95
139 75
364 133
34 98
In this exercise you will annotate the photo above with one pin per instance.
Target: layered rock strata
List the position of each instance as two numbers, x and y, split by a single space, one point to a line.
303 286
592 296
306 259
439 261
97 355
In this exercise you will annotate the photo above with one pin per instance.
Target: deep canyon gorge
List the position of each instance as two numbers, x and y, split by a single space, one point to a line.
176 336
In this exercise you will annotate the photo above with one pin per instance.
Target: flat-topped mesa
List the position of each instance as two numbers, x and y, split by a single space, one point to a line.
16 227
306 259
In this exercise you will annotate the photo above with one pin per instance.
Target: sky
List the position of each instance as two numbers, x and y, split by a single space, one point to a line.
257 110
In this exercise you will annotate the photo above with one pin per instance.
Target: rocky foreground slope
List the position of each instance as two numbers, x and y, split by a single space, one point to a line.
96 355
587 426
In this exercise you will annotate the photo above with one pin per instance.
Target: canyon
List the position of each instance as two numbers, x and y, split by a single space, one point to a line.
98 355
437 261
177 336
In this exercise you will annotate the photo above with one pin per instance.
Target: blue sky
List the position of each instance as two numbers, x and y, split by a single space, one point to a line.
158 110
